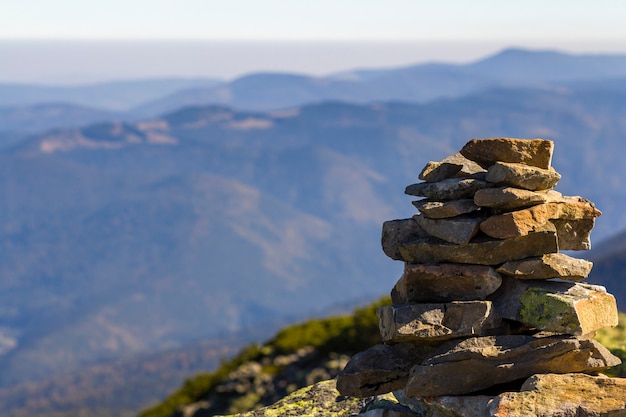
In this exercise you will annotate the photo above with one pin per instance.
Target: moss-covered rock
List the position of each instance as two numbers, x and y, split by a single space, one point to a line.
321 399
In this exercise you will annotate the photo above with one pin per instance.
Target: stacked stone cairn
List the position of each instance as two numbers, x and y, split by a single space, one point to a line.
486 300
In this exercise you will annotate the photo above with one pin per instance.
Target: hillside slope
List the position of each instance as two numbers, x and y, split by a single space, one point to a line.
121 238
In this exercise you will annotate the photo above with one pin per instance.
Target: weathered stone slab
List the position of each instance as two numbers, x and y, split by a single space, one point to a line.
552 265
559 307
459 230
574 234
379 412
574 208
469 365
386 408
516 223
481 251
510 198
380 369
521 222
486 152
398 232
445 209
455 166
450 189
522 176
543 395
436 322
445 282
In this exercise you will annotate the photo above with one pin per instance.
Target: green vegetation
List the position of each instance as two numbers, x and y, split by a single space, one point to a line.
614 338
341 334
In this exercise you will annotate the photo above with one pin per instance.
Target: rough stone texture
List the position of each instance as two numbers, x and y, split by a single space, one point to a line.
469 365
380 369
559 307
397 232
445 209
321 399
574 234
445 282
510 198
436 322
480 251
459 230
450 189
386 408
384 412
552 265
486 152
543 395
522 176
522 222
455 166
449 406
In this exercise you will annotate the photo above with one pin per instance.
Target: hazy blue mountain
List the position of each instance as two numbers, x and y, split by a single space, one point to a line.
516 64
40 117
519 65
115 95
269 91
260 91
418 83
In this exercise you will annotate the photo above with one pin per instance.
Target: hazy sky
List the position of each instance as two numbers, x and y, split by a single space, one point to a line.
314 19
229 37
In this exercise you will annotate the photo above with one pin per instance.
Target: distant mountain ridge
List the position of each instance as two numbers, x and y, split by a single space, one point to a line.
417 83
41 117
111 96
270 91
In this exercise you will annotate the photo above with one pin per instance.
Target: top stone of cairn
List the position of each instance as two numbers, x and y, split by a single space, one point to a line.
486 152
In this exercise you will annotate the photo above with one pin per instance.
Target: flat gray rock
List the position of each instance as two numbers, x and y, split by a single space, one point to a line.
479 251
455 166
486 152
445 282
557 307
450 189
459 230
552 265
436 322
380 369
469 365
511 198
522 176
398 232
445 209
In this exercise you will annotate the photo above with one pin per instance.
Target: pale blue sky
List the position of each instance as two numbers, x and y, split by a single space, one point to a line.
314 19
315 36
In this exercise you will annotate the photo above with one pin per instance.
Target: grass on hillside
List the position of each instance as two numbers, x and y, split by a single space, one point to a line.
342 334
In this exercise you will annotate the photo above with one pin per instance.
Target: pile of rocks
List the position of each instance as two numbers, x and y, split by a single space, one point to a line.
486 300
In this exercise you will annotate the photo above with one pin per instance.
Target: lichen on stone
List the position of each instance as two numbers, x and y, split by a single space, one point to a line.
547 311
